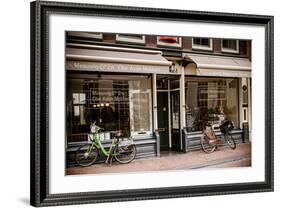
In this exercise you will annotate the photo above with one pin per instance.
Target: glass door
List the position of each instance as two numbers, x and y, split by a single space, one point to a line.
175 114
175 119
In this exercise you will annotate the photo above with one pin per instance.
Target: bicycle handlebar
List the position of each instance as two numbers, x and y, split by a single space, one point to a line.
97 128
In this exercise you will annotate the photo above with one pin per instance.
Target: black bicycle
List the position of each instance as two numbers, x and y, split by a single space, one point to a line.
209 140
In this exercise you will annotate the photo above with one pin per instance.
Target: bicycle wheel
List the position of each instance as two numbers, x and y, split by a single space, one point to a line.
84 157
125 154
230 141
206 146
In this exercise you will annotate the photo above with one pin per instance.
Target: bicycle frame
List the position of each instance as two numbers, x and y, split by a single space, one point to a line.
96 141
219 139
213 141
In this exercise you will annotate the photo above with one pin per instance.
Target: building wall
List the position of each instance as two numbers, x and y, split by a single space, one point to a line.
174 53
186 45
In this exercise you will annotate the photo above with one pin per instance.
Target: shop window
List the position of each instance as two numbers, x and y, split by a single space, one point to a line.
210 100
202 43
120 103
130 38
170 41
230 46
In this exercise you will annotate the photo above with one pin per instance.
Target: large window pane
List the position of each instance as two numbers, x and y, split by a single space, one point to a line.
140 106
229 44
121 102
210 100
202 41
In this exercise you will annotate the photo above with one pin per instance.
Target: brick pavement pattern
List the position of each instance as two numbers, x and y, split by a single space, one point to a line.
223 157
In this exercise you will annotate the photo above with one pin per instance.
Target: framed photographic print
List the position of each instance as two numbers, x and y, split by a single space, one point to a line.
131 103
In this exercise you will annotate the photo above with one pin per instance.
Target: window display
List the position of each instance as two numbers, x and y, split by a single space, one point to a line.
118 102
210 100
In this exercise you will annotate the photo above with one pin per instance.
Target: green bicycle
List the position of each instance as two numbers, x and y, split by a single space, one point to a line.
122 149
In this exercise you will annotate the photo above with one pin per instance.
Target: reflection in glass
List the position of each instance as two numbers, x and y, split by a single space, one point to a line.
210 100
121 102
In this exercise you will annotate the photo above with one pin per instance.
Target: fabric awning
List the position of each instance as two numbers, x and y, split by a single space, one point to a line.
209 65
115 59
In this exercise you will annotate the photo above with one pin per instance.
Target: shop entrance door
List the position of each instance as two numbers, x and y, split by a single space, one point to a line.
163 119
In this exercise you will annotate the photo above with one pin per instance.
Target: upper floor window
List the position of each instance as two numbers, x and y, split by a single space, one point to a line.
169 41
202 43
86 35
130 38
230 45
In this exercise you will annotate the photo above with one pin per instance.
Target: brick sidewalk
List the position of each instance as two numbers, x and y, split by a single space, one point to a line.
223 157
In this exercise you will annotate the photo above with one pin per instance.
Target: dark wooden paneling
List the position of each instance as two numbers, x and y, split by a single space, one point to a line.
192 140
176 139
146 147
162 117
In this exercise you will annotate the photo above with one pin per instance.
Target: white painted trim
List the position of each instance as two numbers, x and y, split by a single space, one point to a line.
169 116
240 113
86 35
154 101
160 90
117 60
250 108
223 67
176 89
112 48
182 105
161 43
182 98
201 47
229 50
129 40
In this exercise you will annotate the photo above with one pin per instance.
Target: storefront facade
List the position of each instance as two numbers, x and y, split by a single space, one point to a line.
161 101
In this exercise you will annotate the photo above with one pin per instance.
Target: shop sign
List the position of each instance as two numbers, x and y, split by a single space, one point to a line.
103 95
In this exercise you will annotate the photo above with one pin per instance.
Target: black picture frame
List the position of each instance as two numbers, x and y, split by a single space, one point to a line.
39 187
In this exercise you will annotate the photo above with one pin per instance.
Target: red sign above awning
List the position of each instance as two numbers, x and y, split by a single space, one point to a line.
168 39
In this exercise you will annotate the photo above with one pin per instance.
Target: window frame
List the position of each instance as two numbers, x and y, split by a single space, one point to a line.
119 38
229 50
201 47
85 35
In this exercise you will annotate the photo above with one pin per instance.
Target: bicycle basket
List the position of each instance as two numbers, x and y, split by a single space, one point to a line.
226 126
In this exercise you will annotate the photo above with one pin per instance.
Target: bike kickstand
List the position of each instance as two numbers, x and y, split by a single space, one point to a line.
110 161
106 161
